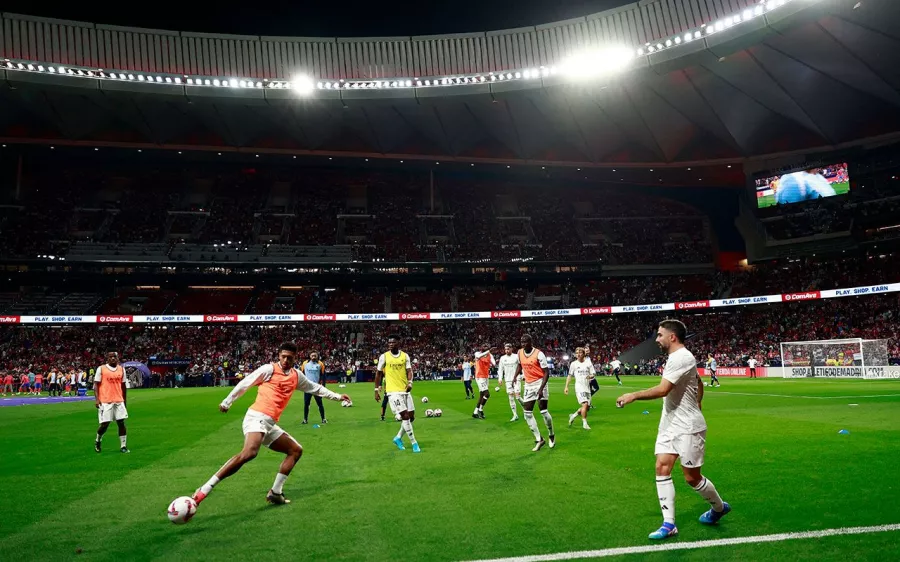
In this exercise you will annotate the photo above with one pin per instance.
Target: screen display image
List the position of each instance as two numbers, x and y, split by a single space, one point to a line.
803 185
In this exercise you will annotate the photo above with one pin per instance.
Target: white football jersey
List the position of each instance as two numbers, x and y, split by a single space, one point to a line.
681 410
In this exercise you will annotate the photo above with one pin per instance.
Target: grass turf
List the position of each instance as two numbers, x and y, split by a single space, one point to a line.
841 188
476 490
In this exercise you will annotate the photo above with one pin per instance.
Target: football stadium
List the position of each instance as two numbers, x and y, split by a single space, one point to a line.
469 282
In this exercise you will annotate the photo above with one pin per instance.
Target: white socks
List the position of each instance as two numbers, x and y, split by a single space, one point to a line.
122 440
548 421
401 432
708 492
512 404
532 425
407 427
210 484
99 438
665 490
278 486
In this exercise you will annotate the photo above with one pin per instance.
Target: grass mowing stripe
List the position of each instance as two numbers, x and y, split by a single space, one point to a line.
778 537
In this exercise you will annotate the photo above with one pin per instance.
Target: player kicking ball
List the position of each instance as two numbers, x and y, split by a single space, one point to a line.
682 429
277 382
533 366
583 371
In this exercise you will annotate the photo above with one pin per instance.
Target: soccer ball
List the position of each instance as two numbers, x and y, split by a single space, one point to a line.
347 403
424 400
438 412
397 417
496 389
181 510
429 413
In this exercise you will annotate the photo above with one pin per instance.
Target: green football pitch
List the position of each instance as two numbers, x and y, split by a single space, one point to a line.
475 492
842 188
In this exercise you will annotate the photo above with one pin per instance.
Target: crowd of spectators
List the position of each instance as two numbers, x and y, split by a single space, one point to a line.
731 337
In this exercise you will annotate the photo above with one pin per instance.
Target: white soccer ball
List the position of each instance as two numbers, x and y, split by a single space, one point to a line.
342 386
346 403
438 413
397 417
181 510
496 389
424 400
429 413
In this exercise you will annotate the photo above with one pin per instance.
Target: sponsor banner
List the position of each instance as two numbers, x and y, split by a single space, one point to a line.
415 316
321 317
596 310
642 308
270 318
460 315
729 372
551 312
889 372
220 318
10 319
58 319
691 305
807 296
838 372
506 314
168 318
740 301
856 291
367 317
797 372
115 319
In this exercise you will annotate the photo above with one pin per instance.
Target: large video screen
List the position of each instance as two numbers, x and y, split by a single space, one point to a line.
803 185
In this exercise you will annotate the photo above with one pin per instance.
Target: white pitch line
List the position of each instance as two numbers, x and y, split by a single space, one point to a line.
780 537
713 392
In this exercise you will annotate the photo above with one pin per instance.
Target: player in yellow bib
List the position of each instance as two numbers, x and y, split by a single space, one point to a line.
395 369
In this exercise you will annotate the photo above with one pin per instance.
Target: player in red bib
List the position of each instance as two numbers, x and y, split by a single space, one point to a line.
277 383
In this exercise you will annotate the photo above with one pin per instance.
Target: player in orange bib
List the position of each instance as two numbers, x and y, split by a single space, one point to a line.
484 360
109 398
533 366
277 382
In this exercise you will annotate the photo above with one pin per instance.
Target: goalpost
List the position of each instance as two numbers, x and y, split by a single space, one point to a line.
844 358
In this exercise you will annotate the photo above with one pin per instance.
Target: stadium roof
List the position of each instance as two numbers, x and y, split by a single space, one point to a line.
821 75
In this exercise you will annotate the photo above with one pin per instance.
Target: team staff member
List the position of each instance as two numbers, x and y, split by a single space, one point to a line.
314 371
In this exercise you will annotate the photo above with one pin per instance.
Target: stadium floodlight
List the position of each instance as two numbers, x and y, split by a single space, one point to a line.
509 76
20 65
51 69
758 10
668 42
233 83
678 40
131 77
408 83
748 14
177 79
697 35
168 80
30 67
640 52
592 63
216 82
302 84
40 68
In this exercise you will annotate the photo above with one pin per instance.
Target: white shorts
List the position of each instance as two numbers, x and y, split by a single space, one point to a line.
531 391
483 384
112 411
401 402
583 395
515 390
690 447
257 422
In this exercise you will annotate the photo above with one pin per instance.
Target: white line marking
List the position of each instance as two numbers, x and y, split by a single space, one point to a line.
607 552
712 392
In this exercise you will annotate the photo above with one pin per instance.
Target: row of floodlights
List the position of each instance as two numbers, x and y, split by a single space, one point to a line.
709 29
527 74
580 65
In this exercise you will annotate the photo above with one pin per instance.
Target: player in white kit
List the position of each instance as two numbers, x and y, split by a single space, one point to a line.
682 429
506 371
583 371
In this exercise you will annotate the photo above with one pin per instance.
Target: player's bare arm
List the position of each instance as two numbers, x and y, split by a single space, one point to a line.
544 381
96 393
379 375
659 391
699 394
568 378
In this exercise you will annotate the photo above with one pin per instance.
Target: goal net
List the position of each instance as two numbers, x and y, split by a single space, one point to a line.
846 358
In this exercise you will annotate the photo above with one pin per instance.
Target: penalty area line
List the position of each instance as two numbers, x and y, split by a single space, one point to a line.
779 537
